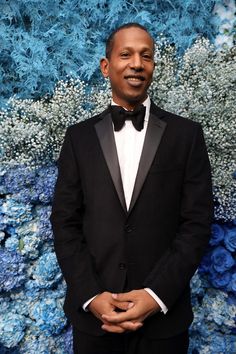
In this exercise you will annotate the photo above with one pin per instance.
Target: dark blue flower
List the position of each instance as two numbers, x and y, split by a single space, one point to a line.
230 238
217 234
219 280
205 263
67 340
221 259
45 228
45 183
17 178
232 284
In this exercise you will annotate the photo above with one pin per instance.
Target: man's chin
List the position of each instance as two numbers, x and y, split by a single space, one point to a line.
136 99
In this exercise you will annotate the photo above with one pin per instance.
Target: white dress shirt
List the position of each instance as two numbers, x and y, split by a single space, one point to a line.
129 145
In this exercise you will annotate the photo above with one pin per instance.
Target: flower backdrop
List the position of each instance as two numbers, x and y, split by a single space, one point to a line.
49 80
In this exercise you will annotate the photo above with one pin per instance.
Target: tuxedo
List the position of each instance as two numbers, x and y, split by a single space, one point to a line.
157 243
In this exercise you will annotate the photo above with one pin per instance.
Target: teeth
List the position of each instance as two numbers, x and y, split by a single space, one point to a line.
134 79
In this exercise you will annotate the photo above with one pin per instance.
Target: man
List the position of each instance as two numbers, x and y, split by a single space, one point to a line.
131 213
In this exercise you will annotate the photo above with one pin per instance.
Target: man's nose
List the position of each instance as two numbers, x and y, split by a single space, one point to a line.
136 62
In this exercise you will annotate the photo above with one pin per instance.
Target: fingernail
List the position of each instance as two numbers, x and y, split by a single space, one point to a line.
114 296
131 304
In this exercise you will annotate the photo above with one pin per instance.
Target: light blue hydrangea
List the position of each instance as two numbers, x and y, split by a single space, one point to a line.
218 310
12 244
49 316
46 272
12 328
15 212
30 245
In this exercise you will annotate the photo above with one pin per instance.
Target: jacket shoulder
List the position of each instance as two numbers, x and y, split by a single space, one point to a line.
174 119
86 124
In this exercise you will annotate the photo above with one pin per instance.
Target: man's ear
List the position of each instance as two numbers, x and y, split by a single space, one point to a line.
104 66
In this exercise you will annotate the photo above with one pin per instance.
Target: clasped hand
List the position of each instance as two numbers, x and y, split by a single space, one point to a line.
123 312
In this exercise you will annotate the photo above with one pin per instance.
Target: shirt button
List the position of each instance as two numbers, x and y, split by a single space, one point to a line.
122 266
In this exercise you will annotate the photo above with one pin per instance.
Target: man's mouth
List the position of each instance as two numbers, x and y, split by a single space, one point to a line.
137 78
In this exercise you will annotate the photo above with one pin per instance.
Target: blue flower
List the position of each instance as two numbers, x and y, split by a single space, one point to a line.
205 263
232 284
47 271
29 240
12 270
220 280
230 238
11 329
12 244
39 343
45 183
68 340
17 178
45 229
217 234
49 316
16 212
221 259
5 350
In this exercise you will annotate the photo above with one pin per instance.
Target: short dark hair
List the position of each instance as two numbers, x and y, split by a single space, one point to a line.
110 39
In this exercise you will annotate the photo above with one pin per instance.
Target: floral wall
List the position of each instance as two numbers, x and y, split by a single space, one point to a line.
49 79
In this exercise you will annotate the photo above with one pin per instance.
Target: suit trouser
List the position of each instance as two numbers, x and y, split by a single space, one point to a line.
129 343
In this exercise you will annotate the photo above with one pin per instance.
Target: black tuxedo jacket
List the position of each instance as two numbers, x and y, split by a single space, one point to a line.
157 243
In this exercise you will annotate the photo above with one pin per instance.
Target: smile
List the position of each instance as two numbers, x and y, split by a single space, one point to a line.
135 78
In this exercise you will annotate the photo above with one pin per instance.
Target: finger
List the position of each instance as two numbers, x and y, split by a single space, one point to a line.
120 316
112 328
123 305
122 296
130 326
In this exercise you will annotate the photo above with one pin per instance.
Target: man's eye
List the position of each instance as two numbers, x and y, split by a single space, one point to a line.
147 56
124 54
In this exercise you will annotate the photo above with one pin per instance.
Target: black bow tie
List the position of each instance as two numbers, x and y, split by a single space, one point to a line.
120 115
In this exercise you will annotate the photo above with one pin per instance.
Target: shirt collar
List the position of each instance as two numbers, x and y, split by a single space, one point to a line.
146 103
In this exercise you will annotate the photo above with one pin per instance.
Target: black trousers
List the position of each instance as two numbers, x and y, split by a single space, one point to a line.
129 343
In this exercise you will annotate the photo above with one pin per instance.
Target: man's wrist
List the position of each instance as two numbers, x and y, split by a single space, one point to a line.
86 304
163 307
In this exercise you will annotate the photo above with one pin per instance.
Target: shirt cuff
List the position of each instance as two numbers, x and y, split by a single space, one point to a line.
85 305
163 307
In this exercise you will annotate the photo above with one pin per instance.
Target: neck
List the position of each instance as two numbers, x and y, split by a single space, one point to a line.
130 106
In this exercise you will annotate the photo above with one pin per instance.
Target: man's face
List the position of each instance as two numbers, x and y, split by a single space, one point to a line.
130 66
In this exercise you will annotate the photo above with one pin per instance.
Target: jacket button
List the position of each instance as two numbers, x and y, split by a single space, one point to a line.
122 266
128 228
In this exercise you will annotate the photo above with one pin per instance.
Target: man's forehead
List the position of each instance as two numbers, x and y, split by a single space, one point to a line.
127 37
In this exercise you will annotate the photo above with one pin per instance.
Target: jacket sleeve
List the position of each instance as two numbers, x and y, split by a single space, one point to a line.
67 222
172 273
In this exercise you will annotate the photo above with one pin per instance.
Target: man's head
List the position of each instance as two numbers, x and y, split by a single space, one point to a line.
129 64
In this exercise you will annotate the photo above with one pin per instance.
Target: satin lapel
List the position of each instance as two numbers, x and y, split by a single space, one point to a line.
106 138
152 140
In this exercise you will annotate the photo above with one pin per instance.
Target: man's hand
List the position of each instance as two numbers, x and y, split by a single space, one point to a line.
105 303
143 306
